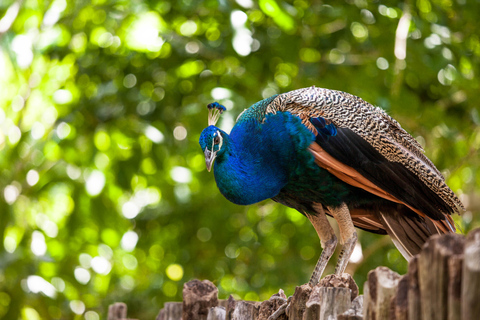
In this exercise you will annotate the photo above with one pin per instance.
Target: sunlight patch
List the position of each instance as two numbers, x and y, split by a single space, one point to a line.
143 33
129 240
95 183
175 272
38 245
37 284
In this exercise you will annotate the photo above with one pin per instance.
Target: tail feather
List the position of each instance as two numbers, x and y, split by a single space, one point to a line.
408 233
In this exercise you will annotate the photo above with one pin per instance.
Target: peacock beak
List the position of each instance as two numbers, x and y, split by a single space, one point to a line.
209 158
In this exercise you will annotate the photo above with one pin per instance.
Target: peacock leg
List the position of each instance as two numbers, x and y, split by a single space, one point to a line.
348 235
328 240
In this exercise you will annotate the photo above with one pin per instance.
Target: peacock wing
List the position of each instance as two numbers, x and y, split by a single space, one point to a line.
375 146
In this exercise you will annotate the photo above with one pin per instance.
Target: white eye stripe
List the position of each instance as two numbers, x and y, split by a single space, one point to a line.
221 140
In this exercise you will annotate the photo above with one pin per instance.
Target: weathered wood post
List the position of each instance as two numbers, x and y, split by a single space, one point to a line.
117 311
433 274
455 265
378 291
299 301
329 303
216 313
414 306
246 310
399 304
327 300
171 311
471 277
335 296
355 312
268 307
231 303
198 298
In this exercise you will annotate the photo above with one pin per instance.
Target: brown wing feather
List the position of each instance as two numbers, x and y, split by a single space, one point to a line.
372 124
354 178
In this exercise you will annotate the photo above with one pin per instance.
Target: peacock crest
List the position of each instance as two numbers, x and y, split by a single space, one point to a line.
215 109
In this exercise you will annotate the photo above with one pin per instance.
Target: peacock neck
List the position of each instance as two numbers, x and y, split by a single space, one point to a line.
246 176
259 158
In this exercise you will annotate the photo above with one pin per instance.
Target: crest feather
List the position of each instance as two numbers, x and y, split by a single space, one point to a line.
214 111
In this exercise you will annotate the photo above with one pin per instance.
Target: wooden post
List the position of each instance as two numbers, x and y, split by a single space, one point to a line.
433 274
344 280
355 312
471 277
351 316
414 304
245 310
230 308
198 298
455 265
216 313
223 303
298 302
313 305
400 300
381 284
117 311
268 307
171 311
331 297
327 303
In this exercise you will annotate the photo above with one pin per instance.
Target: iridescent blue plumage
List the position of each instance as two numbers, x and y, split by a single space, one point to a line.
321 125
257 159
327 152
264 152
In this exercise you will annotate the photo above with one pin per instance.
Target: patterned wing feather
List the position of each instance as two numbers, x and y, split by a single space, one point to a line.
373 125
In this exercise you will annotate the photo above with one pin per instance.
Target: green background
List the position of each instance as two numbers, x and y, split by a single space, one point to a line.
104 195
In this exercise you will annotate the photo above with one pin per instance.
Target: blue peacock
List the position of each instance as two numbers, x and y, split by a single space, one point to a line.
325 152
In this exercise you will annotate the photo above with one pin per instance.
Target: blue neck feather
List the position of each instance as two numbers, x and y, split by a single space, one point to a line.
260 158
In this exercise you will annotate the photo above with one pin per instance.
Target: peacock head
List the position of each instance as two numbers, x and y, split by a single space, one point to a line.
212 138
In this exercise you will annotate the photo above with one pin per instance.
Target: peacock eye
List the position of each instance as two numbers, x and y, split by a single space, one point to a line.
216 140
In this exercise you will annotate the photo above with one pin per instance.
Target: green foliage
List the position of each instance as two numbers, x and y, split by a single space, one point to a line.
104 192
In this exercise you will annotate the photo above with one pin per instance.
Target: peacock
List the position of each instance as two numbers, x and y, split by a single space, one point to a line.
326 152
